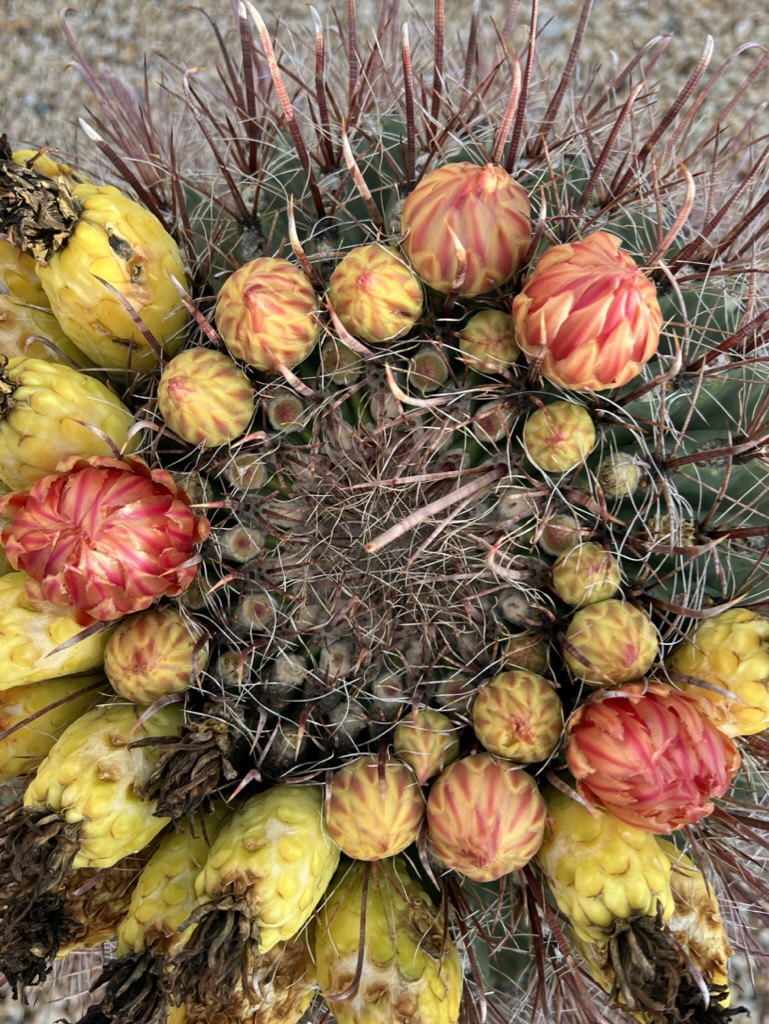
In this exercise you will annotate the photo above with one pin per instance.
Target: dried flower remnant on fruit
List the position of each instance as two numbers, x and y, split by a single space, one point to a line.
589 314
466 227
104 536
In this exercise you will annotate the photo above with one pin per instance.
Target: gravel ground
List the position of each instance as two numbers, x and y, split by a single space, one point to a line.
42 96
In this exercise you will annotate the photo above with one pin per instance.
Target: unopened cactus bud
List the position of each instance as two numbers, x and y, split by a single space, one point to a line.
559 437
621 475
429 371
485 817
609 643
267 314
560 534
519 716
154 653
205 398
589 313
494 421
466 227
374 810
284 411
254 612
340 364
527 651
487 341
375 294
427 742
585 575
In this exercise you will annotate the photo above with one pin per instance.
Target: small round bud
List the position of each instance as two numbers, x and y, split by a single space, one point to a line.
560 534
428 371
518 715
375 294
558 437
526 651
205 398
586 574
284 411
620 475
609 643
340 364
494 421
247 471
427 742
152 654
487 341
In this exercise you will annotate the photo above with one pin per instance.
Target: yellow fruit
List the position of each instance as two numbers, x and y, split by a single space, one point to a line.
50 412
601 870
165 896
410 967
731 651
117 241
29 635
92 776
276 855
50 705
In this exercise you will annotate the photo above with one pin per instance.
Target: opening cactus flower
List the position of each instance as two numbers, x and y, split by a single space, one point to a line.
646 754
103 536
589 313
461 217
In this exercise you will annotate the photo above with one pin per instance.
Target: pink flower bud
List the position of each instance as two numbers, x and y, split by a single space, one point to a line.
104 536
649 756
590 313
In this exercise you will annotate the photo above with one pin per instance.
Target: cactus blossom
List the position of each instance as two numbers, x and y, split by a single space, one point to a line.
103 536
648 755
466 227
589 313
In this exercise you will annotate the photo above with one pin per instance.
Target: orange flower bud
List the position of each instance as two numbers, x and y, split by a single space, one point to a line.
590 313
461 216
649 756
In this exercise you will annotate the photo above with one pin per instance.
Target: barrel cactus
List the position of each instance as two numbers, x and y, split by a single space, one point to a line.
443 376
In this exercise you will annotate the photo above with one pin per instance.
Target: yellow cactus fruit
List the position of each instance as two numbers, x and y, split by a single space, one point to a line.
374 810
205 397
49 412
44 162
730 651
427 741
154 653
697 924
31 638
116 251
408 969
267 870
601 870
487 341
610 643
375 294
518 715
586 574
267 314
559 436
92 777
164 896
33 716
18 276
